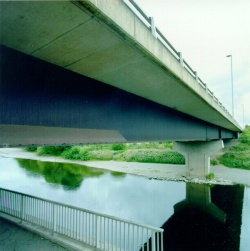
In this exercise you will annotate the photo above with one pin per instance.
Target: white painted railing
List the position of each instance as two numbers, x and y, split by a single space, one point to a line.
97 230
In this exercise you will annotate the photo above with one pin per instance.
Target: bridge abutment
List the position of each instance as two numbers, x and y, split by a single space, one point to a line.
197 155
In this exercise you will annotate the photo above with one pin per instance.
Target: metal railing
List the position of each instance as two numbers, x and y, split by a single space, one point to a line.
149 23
97 230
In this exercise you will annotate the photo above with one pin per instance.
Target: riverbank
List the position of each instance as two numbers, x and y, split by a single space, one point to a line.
223 174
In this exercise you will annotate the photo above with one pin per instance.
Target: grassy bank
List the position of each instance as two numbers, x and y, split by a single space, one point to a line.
237 156
157 152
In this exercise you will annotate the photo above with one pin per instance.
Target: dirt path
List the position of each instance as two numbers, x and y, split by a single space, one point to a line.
223 175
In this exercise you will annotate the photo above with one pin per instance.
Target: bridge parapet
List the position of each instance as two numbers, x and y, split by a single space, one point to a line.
148 21
139 28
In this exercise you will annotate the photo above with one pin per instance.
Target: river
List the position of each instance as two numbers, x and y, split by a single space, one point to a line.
194 216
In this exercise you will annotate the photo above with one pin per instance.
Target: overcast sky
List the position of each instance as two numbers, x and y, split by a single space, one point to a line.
206 31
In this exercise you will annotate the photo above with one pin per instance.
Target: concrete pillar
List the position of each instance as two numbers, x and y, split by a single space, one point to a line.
197 155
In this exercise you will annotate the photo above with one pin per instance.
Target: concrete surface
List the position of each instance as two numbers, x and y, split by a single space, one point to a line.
197 155
109 43
17 235
14 238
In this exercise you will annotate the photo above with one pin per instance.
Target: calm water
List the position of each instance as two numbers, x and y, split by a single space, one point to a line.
194 217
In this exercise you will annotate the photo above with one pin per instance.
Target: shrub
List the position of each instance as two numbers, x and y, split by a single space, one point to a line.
214 162
72 153
245 136
51 150
84 155
117 147
30 149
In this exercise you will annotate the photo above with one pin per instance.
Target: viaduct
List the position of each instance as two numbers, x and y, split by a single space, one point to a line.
78 72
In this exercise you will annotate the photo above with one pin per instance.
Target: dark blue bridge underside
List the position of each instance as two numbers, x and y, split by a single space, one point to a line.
34 92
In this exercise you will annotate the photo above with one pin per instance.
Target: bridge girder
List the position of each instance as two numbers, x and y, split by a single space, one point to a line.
41 103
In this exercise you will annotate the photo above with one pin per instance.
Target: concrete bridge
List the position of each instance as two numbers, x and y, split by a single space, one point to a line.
91 72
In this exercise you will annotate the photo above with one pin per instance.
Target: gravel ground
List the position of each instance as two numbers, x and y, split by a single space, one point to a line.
223 174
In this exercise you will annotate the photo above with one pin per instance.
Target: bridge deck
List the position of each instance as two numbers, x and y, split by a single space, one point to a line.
111 44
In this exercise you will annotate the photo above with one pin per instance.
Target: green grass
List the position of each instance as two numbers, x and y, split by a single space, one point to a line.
238 156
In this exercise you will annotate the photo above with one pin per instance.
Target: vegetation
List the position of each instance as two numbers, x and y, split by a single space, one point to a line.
210 176
153 152
238 156
214 162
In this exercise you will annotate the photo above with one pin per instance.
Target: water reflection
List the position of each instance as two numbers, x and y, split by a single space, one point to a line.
70 176
208 219
118 174
194 217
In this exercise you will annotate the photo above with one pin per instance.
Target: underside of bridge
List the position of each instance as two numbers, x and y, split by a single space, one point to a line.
45 104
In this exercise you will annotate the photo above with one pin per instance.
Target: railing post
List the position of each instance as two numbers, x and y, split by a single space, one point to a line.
96 231
153 241
1 200
196 76
162 241
181 59
23 201
205 87
21 207
54 217
153 28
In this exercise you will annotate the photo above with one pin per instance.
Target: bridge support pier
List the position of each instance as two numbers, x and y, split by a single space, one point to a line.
197 155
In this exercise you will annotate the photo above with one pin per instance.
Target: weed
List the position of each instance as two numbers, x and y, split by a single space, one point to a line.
210 176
